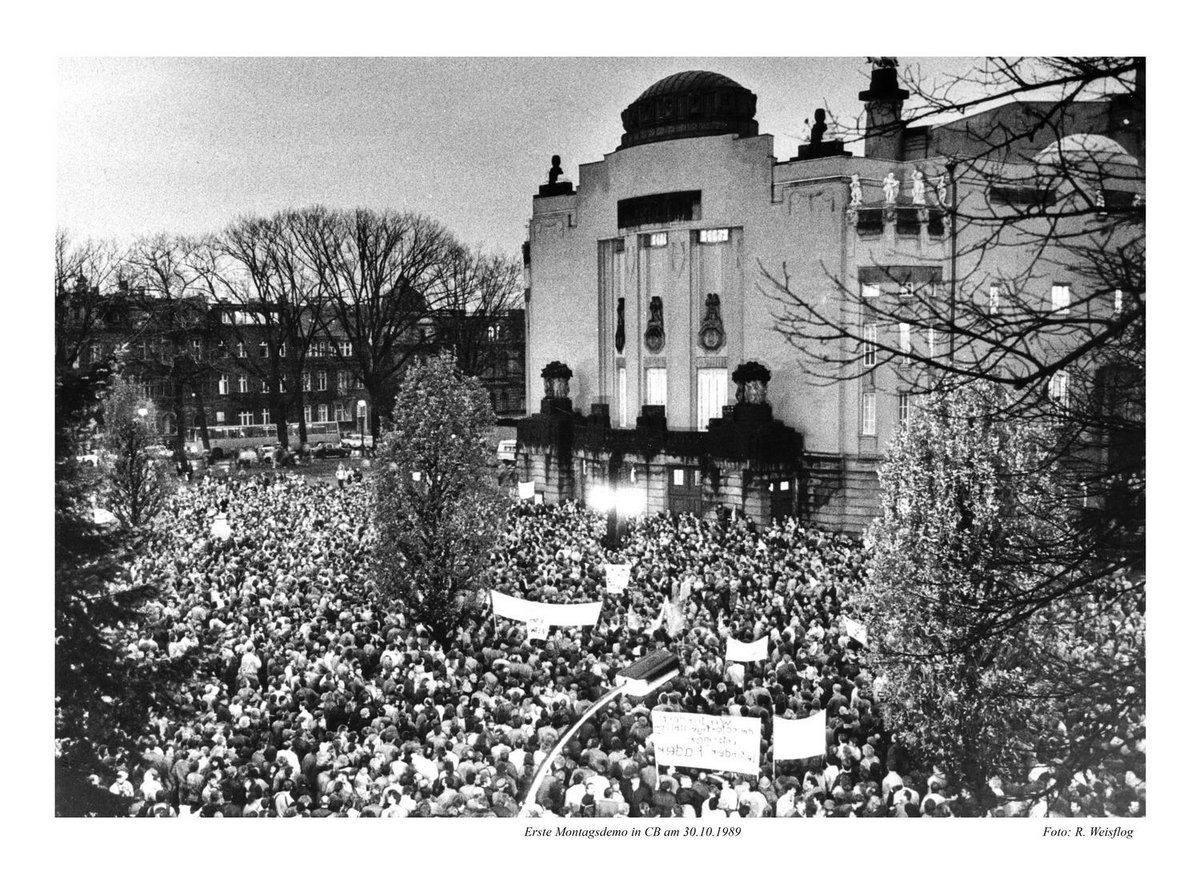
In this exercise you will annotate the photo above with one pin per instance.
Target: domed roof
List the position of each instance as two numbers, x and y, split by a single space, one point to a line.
694 103
1089 156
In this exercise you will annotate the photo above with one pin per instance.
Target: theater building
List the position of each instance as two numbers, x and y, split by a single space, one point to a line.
647 284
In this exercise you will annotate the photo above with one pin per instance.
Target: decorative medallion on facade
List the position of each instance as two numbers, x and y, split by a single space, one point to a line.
654 327
619 337
712 329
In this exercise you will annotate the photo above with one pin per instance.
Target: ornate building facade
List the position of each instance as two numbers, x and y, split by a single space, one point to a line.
652 334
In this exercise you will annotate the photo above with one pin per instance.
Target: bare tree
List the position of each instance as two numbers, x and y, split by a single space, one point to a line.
84 272
475 293
166 285
379 273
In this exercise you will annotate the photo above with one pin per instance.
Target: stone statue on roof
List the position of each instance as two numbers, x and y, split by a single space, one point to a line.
891 188
855 191
883 63
918 188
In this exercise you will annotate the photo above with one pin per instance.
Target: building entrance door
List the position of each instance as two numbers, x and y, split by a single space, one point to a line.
783 498
684 487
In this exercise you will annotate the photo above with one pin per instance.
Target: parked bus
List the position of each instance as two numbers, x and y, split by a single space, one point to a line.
229 439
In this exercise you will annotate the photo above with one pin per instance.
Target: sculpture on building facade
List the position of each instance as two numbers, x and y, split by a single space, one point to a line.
942 196
855 191
654 326
918 188
619 337
712 329
555 169
556 376
751 379
891 188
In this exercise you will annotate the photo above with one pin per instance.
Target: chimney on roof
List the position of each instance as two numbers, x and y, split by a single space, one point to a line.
885 101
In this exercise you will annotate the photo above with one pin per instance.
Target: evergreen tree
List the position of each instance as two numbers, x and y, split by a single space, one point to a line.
135 484
437 508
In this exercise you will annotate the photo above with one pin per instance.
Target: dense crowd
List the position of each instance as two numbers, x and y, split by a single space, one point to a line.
317 699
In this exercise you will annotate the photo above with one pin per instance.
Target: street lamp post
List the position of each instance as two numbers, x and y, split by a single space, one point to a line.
640 679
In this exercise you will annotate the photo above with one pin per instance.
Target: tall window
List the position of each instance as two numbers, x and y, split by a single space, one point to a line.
868 413
322 413
870 344
241 350
197 349
712 393
306 381
322 381
339 411
266 416
343 381
308 413
1060 297
993 299
905 406
263 350
243 383
223 385
622 398
1060 389
656 386
1118 300
220 417
245 418
347 348
905 337
263 386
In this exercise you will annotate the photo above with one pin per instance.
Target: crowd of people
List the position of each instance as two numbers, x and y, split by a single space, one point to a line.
317 698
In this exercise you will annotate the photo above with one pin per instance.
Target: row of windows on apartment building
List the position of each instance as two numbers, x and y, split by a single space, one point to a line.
1058 390
1060 295
345 382
312 413
658 239
146 350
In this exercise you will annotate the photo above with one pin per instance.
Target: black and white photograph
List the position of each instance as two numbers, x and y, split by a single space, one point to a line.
639 447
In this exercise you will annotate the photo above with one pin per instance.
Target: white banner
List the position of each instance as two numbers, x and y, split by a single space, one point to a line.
616 578
585 614
525 490
704 741
857 631
799 739
736 651
537 629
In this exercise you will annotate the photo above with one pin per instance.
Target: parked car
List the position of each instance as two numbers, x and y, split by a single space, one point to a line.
352 442
506 451
246 457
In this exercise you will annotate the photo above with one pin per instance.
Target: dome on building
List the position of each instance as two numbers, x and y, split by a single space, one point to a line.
1089 155
695 103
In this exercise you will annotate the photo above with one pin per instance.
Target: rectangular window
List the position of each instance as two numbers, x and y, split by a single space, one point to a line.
677 476
622 398
993 299
339 411
322 413
714 235
94 352
306 381
868 413
227 317
243 383
870 290
220 417
223 385
346 349
241 350
870 344
322 381
905 406
712 394
263 387
1060 389
657 240
197 349
658 209
245 418
1060 298
905 336
264 351
1118 300
308 413
656 386
343 381
266 416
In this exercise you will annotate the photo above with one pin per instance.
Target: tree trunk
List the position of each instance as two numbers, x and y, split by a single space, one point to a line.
203 414
302 424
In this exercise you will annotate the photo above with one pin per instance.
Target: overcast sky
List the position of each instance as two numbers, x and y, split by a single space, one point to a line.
186 144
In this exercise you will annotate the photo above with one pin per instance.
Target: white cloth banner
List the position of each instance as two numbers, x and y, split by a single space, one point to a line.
857 631
706 741
525 490
537 629
616 578
799 739
736 651
585 614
